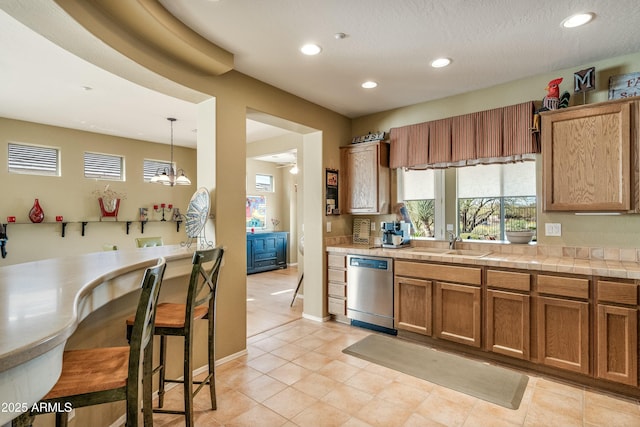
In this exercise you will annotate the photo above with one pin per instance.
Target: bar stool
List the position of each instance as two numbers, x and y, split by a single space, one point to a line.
100 375
175 319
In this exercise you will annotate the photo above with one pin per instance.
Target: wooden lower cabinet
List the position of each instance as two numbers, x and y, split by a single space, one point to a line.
413 300
337 285
580 324
617 344
563 334
508 323
458 313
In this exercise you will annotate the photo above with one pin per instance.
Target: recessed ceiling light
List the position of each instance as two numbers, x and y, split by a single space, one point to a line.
578 19
440 62
369 84
310 49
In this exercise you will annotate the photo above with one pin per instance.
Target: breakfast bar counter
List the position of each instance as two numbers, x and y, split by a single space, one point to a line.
43 302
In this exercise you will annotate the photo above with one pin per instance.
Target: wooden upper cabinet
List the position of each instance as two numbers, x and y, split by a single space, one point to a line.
586 154
368 184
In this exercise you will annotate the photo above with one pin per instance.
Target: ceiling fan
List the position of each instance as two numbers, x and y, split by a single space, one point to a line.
293 167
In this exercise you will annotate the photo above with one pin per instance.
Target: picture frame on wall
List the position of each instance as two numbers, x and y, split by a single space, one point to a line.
331 194
256 212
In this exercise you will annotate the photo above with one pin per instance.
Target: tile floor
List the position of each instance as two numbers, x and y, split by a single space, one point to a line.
269 296
296 375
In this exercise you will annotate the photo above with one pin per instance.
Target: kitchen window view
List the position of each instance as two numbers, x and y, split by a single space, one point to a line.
491 200
417 188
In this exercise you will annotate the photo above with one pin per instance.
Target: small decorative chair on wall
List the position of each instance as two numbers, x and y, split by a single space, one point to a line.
101 375
176 319
147 242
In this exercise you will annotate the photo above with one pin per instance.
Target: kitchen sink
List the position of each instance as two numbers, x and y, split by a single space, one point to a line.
444 251
428 250
468 252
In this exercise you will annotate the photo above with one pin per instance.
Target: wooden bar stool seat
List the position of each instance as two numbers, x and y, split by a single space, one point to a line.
171 315
100 375
176 319
91 371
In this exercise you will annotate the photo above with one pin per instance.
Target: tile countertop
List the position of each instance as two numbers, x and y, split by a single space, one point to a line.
618 263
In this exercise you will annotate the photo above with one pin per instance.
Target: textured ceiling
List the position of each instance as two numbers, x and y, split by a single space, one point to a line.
393 43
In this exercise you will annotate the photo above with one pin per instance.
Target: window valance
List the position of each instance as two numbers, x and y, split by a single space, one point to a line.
500 135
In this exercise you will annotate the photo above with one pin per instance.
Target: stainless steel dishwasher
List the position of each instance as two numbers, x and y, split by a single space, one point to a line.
370 292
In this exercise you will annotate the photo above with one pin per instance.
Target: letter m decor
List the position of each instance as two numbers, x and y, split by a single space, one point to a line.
584 80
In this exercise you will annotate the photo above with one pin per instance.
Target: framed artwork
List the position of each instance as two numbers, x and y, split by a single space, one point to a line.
332 207
256 212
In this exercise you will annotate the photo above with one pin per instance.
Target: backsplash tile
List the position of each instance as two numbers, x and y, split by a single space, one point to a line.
583 253
597 253
628 255
534 249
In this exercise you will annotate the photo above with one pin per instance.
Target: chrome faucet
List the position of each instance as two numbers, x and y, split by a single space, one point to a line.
453 238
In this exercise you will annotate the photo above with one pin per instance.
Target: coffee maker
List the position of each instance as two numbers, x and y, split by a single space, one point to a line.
395 234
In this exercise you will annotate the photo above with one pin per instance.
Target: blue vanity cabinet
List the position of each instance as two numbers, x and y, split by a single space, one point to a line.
266 251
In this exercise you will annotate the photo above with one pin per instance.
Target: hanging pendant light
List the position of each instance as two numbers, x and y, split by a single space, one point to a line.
168 175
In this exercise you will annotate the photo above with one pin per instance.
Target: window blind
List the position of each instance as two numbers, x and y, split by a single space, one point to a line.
103 166
33 159
151 167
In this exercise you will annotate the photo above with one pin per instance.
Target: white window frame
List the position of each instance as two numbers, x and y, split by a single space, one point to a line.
33 159
271 187
501 196
439 205
103 161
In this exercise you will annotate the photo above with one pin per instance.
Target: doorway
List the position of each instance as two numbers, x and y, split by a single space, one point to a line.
274 177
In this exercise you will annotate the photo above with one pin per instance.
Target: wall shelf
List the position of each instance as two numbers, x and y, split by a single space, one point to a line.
63 224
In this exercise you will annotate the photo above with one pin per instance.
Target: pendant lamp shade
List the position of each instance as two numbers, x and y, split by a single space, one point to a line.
169 175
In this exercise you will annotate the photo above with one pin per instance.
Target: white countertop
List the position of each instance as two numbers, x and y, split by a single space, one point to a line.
42 303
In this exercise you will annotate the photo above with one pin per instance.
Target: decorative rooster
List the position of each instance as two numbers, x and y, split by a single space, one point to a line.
552 101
